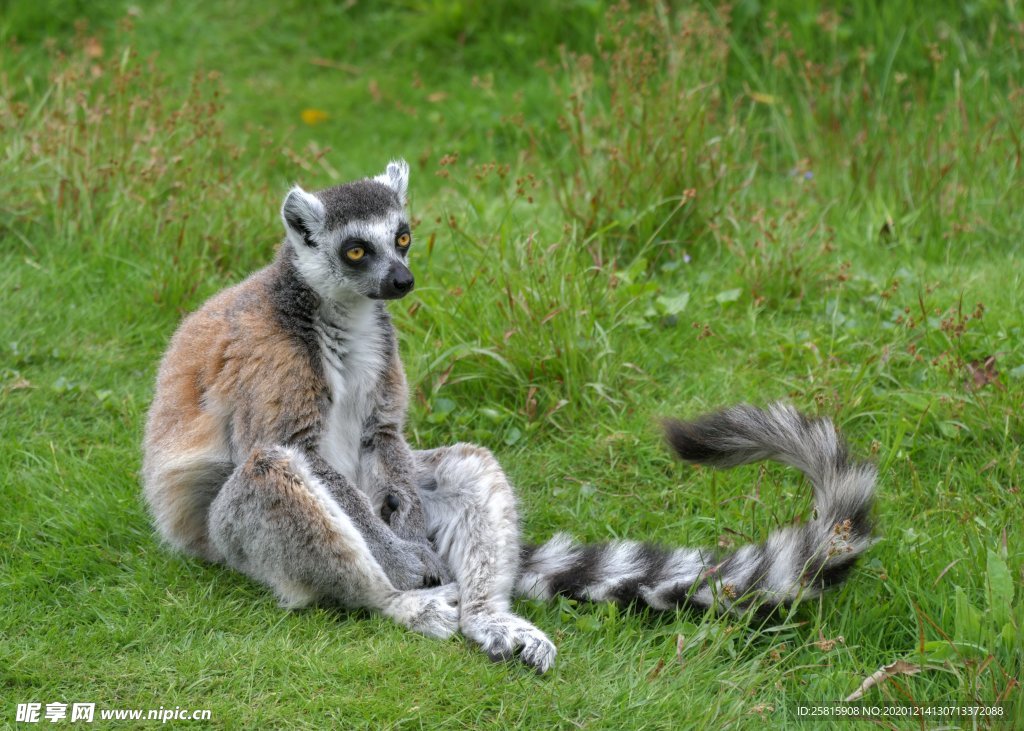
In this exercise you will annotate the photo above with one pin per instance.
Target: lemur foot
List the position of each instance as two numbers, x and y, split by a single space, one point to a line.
503 635
432 612
435 570
414 565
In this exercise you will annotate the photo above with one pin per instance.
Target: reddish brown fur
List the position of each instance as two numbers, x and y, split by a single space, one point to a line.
230 367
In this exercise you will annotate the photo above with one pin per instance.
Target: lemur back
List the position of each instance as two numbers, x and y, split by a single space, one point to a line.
244 372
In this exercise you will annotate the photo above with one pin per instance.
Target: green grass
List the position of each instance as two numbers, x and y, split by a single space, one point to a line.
850 242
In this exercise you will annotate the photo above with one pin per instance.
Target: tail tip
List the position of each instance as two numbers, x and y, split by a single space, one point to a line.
688 441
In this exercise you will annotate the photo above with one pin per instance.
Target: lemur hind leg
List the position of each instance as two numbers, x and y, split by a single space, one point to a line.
471 519
275 522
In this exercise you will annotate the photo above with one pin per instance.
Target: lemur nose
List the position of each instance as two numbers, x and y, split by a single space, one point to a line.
403 281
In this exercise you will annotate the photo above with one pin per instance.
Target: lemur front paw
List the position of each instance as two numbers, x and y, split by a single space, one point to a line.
435 570
431 612
414 565
503 636
404 513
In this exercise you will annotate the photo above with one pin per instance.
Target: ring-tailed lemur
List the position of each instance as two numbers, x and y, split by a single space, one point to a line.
275 445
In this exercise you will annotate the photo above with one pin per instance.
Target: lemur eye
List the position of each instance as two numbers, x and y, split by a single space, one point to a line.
355 253
403 240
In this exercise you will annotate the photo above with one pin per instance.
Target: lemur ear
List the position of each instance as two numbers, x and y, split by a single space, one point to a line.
303 215
396 177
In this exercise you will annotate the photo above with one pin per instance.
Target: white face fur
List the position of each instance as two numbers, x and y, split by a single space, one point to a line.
352 241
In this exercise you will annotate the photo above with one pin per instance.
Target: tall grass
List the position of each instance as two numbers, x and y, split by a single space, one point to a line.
652 143
111 165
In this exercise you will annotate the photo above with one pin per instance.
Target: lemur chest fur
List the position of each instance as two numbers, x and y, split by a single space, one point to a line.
352 344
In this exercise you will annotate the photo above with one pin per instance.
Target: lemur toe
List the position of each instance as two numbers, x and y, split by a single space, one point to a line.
539 654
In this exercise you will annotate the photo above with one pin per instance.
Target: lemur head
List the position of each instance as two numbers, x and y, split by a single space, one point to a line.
353 239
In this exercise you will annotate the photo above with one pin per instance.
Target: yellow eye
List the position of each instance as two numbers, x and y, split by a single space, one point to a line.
403 240
355 253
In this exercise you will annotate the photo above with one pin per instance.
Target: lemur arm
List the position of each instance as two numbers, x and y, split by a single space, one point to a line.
390 475
390 548
388 467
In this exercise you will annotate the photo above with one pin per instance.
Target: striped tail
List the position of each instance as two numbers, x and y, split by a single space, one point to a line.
796 561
